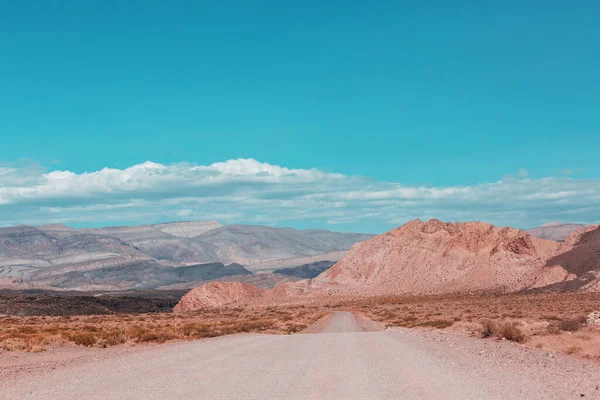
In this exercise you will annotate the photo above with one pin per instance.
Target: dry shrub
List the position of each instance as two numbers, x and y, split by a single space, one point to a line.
438 323
489 329
83 338
293 328
512 333
572 324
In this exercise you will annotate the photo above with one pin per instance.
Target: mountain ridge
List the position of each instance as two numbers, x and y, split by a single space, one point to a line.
61 257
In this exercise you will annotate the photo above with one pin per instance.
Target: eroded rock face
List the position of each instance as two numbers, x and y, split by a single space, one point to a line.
435 258
217 294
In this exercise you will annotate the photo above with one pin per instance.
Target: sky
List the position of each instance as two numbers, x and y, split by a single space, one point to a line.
341 115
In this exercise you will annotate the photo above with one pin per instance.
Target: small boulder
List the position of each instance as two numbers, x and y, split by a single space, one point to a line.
594 318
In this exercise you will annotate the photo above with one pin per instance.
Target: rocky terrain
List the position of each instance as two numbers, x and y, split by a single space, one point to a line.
580 257
554 231
217 294
151 256
434 257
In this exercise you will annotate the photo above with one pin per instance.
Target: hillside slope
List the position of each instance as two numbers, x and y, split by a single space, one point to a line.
434 257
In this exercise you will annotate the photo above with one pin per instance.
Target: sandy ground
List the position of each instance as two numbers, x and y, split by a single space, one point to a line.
341 361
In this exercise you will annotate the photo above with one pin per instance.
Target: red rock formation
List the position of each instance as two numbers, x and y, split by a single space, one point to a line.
217 294
435 257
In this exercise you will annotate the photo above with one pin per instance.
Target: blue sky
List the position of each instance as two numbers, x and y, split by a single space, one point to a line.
432 96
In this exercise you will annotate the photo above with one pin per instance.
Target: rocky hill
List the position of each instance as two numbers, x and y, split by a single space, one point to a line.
580 257
434 257
431 258
217 294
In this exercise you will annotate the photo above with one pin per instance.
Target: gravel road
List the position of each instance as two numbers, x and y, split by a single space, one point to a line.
339 362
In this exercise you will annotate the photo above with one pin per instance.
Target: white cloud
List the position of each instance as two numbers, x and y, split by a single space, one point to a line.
245 190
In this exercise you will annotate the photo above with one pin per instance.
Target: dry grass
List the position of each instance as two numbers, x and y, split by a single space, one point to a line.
35 334
553 322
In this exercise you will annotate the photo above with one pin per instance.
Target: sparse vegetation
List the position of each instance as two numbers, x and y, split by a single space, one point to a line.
438 323
572 324
511 332
489 329
552 322
35 334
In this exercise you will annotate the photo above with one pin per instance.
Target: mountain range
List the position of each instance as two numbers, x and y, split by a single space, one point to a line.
433 258
150 256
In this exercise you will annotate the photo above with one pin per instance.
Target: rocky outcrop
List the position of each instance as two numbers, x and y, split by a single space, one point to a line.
217 294
579 255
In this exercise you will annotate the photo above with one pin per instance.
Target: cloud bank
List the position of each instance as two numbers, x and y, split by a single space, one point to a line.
248 191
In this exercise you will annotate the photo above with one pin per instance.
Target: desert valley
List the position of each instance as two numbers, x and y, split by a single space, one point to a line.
70 296
299 200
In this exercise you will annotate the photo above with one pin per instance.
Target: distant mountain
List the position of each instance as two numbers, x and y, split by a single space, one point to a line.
306 271
187 229
431 258
254 244
557 231
136 275
26 252
148 256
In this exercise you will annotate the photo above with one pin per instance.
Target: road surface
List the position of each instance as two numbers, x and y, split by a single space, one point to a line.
340 362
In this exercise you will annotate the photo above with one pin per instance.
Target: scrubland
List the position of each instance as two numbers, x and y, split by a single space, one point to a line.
36 334
552 322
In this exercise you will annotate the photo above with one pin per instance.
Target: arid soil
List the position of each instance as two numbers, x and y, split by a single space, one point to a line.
552 322
343 363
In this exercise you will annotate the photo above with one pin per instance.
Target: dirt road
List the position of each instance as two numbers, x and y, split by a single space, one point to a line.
340 362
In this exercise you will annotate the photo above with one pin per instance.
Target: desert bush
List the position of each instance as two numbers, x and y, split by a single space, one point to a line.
489 329
293 328
83 338
158 336
511 332
438 323
113 337
571 324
